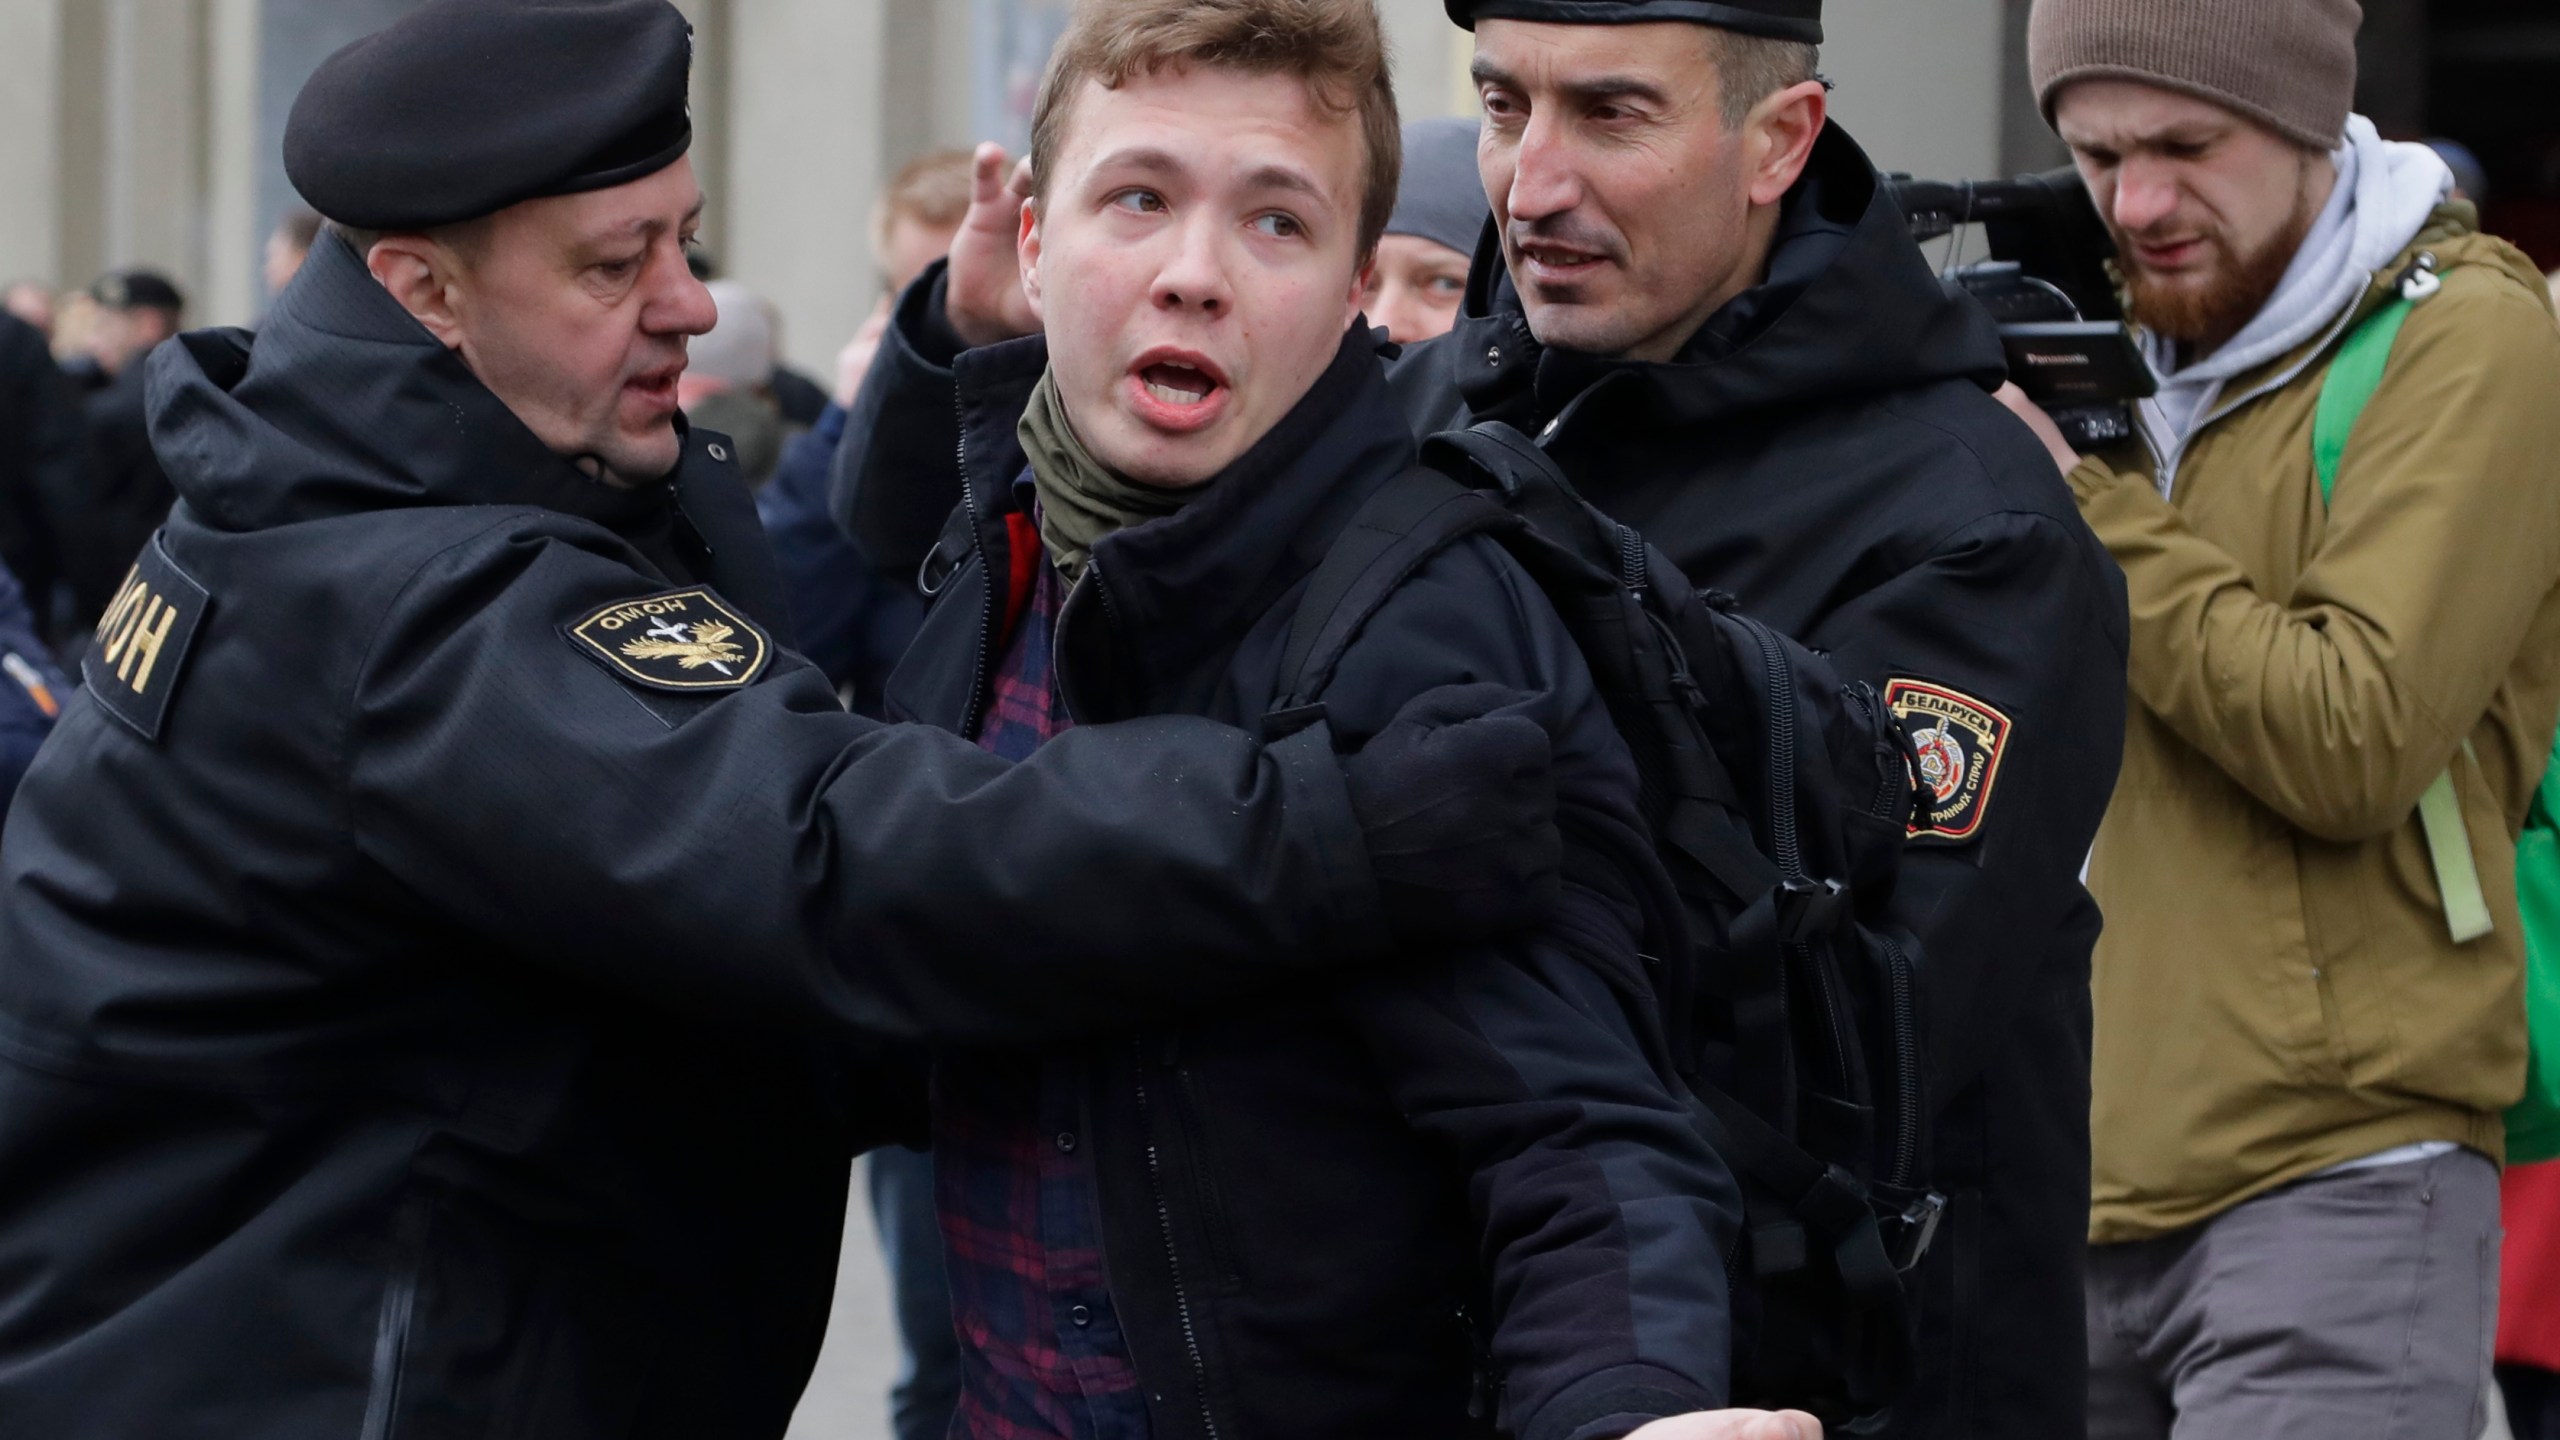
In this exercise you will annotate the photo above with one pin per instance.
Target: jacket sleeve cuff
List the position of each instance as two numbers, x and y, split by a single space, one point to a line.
2091 476
924 318
1612 1402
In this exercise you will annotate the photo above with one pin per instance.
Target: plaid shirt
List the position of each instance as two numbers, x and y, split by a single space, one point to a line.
1041 1353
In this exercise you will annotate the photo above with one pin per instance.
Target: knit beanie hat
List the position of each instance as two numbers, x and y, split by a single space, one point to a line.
1441 197
2288 64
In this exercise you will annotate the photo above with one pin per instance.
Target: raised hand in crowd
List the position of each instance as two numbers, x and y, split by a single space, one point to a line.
985 300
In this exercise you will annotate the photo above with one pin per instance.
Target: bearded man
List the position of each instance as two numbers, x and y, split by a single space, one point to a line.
2343 676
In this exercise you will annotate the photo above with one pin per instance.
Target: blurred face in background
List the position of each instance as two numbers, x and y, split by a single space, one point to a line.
2207 208
909 245
1630 211
119 337
1414 288
574 310
282 261
32 303
1195 261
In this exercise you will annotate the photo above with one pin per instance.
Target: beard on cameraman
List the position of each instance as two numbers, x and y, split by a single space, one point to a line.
2308 995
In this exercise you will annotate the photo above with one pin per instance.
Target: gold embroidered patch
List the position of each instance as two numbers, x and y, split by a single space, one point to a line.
1959 741
683 640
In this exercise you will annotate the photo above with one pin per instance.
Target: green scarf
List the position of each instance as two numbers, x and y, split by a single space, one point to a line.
1080 501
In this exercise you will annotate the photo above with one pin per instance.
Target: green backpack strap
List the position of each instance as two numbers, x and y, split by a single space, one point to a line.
2354 375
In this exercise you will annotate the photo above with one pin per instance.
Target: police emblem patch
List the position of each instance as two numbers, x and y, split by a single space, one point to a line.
1959 741
684 640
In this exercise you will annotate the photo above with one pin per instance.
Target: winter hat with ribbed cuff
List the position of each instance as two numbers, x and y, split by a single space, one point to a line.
2288 64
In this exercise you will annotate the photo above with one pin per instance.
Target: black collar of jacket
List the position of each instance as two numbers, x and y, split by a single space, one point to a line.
1849 307
1180 591
342 402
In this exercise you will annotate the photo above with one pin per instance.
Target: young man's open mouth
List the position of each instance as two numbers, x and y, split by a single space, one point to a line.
1177 390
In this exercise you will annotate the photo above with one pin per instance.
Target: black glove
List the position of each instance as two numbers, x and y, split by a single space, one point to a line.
1459 806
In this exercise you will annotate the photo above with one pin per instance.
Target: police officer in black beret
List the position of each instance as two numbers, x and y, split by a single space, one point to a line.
1696 293
449 947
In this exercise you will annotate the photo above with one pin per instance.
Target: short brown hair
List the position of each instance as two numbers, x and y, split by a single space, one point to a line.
932 190
1751 68
1335 46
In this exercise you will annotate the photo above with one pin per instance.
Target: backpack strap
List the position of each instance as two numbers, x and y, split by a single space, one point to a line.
2349 386
1411 518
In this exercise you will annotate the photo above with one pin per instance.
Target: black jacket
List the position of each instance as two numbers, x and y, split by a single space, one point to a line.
126 498
413 1024
1303 1208
1825 449
43 465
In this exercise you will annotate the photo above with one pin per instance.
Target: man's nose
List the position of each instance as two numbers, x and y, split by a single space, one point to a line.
1544 180
683 305
2145 194
1194 276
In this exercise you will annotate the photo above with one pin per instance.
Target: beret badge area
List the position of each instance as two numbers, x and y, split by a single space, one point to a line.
1960 742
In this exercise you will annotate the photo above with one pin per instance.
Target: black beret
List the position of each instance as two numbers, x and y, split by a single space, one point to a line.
462 108
1773 19
136 290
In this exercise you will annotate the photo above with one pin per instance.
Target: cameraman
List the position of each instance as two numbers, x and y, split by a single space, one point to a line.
2304 1039
1695 289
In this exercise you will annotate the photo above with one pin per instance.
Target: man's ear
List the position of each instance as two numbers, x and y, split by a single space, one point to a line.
1360 282
1778 139
419 274
1026 251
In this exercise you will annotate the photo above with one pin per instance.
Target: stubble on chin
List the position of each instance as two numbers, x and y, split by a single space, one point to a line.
2205 314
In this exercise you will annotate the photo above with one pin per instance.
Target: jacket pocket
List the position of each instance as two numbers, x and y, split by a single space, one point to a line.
1199 1169
392 1321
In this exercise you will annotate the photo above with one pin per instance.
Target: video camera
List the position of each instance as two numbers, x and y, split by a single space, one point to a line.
2047 284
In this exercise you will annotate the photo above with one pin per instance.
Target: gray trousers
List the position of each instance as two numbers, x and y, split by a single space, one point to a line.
2356 1306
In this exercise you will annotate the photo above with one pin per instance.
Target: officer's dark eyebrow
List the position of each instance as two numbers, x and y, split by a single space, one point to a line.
1599 90
649 227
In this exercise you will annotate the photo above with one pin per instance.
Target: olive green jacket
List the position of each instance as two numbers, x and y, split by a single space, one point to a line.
2277 990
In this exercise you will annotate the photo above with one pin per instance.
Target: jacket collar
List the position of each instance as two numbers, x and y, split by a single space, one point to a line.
1180 590
343 403
1849 307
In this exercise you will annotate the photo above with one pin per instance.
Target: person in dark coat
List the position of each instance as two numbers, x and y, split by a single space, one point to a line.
31 688
127 493
1271 1224
43 466
1755 367
450 947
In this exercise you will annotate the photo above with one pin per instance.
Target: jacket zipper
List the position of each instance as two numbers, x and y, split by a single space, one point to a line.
986 612
1173 1258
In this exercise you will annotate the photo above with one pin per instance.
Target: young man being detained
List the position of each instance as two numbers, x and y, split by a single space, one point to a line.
1458 1199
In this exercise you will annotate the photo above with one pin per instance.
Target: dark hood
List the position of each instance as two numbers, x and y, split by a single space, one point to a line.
1850 307
344 403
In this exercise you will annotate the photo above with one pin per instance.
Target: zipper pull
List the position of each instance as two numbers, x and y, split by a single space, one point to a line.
2420 280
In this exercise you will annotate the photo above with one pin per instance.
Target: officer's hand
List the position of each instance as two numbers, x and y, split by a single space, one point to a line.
2041 423
982 293
1458 802
1733 1425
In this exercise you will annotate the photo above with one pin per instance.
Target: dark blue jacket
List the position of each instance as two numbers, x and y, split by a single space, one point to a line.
853 621
431 1007
31 689
1338 1211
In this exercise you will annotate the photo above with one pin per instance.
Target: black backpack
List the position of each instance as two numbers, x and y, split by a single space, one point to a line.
1779 799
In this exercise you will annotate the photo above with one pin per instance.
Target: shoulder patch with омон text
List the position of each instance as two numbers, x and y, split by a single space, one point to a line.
683 640
1960 742
134 665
